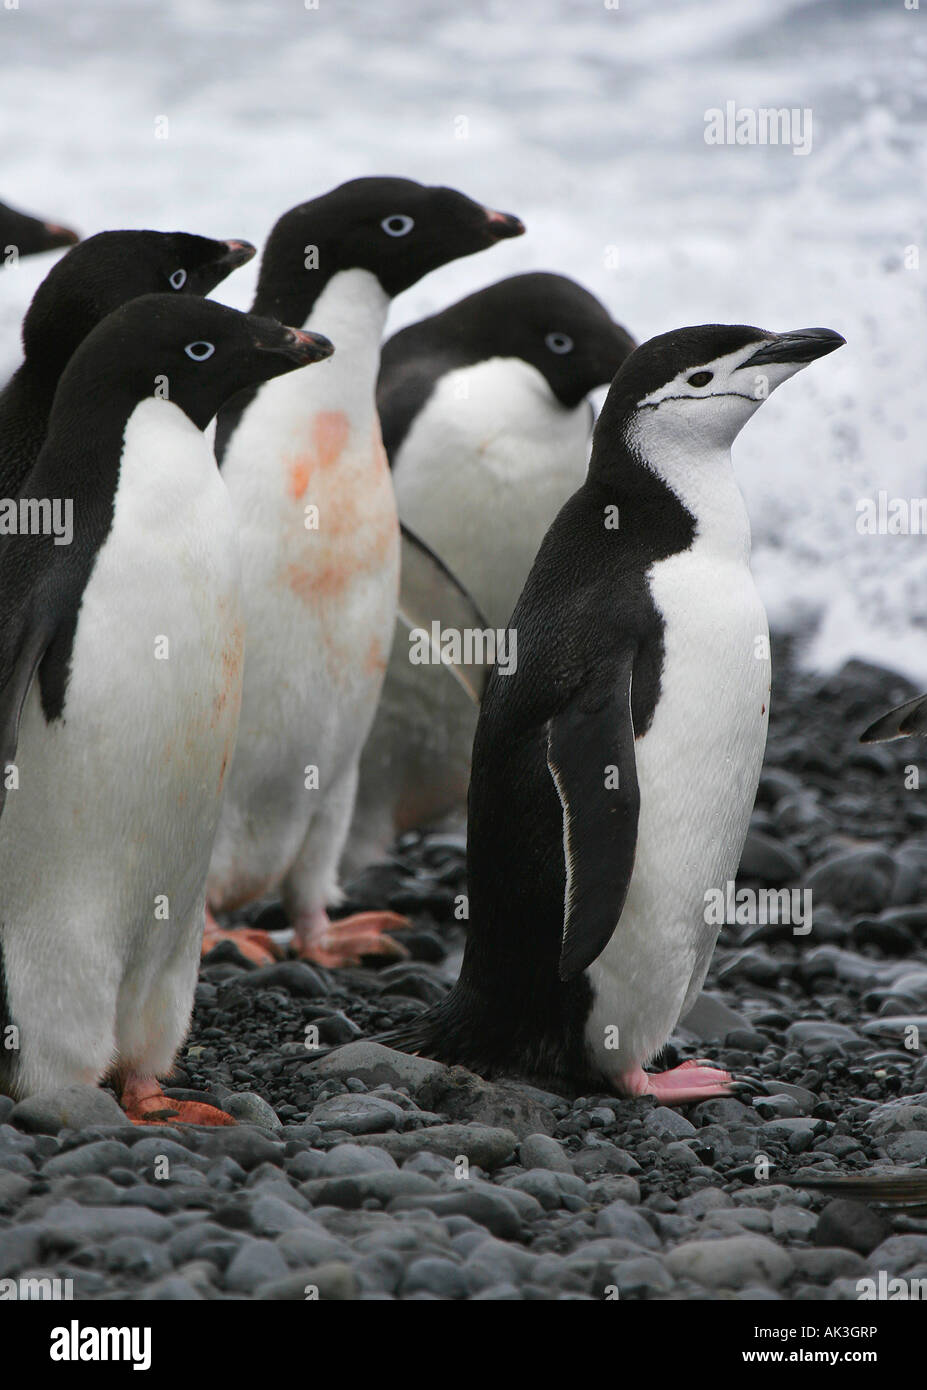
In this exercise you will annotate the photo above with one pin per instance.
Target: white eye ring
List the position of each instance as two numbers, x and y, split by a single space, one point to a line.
200 351
397 224
559 342
178 279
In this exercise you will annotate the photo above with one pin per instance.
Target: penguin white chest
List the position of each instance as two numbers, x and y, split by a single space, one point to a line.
484 470
698 765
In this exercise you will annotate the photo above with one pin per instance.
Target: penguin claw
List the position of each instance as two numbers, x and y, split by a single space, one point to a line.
335 944
257 946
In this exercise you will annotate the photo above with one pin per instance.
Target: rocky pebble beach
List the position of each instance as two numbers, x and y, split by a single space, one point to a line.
367 1174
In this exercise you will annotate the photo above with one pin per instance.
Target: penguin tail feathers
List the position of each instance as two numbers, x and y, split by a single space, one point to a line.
900 722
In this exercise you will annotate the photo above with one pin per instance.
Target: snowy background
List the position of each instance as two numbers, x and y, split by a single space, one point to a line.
589 123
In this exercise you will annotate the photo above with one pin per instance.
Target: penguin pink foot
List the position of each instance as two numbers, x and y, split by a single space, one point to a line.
333 944
146 1104
257 946
692 1080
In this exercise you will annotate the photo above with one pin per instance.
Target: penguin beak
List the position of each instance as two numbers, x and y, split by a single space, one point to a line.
299 346
503 225
238 253
60 236
798 348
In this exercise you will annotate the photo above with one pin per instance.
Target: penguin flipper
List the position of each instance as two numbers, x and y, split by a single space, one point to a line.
429 592
590 754
900 722
21 653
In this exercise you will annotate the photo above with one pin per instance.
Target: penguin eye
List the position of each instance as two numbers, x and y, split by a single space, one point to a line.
200 351
700 378
178 279
397 225
559 343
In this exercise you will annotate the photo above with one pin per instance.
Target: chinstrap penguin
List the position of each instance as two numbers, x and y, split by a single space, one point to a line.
120 683
486 422
21 234
304 464
89 282
614 772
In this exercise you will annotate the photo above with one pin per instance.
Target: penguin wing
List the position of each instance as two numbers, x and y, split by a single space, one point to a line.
590 753
900 722
429 592
23 643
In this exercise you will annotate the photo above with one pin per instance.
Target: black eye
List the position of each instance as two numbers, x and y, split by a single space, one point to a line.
397 225
200 351
700 378
178 279
559 342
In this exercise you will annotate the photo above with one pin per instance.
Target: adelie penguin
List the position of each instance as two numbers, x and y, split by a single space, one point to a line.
120 683
21 234
89 282
486 421
614 771
304 463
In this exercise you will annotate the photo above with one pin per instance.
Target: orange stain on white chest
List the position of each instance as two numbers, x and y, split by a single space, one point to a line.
331 430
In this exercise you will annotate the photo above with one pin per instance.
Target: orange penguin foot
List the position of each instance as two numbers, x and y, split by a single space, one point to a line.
322 942
146 1104
257 946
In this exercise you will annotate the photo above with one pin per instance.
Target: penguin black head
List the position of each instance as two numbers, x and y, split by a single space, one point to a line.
546 320
193 352
702 384
396 229
29 235
110 268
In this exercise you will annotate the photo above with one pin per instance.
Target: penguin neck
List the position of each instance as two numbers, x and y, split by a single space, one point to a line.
700 474
351 309
25 405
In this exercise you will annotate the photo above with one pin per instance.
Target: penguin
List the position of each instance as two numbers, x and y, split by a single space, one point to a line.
89 282
614 770
120 683
304 463
486 422
24 235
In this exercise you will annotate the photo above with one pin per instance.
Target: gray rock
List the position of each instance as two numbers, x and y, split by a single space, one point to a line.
708 1199
463 1096
641 1276
89 1158
907 1148
541 1151
66 1224
255 1263
159 1158
828 1263
549 1188
615 1188
272 1216
493 1211
173 1289
711 1018
899 1254
360 1114
346 1159
374 1064
137 1257
435 1275
859 880
244 1143
14 1189
731 1262
604 1157
71 1107
353 1190
668 1124
818 1037
898 1116
252 1109
621 1219
486 1147
792 1223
